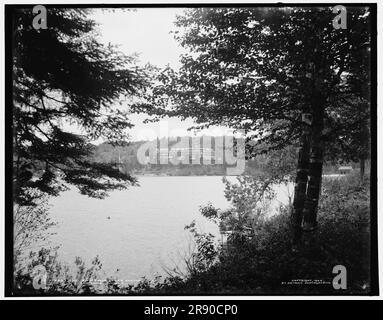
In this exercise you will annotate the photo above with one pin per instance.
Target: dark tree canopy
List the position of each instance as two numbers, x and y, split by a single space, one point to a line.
64 78
259 69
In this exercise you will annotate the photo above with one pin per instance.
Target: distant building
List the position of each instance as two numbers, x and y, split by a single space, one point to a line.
194 153
345 169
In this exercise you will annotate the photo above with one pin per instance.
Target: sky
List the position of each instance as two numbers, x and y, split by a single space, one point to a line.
146 32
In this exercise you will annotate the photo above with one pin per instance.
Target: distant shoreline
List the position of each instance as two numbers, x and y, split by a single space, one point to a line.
180 175
326 175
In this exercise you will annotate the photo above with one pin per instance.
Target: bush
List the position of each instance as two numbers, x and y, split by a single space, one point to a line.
266 263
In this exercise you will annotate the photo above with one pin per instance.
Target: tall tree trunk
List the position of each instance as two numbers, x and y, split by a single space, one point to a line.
362 168
365 147
315 172
301 183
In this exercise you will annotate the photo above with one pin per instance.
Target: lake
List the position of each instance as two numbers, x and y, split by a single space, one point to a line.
139 231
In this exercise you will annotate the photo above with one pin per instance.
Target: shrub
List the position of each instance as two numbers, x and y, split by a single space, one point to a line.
266 263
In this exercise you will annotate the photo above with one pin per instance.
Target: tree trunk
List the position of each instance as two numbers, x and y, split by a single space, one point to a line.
315 173
364 140
301 185
362 168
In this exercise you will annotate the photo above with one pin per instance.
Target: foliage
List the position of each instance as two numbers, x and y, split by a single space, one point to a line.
32 226
65 81
79 279
265 70
206 250
60 279
350 141
259 69
250 195
266 264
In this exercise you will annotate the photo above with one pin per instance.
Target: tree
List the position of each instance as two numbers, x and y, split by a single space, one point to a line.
64 82
276 73
351 140
351 115
251 195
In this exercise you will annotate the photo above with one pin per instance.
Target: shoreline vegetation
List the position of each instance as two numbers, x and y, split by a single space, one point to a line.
125 158
253 258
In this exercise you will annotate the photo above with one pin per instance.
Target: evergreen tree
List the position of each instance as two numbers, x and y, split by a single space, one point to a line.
66 86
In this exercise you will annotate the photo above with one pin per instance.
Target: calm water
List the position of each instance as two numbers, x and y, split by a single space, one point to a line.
145 228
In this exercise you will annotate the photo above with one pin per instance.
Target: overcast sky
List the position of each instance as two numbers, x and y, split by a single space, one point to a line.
146 32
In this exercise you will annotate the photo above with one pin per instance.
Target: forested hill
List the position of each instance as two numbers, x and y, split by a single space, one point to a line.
198 156
125 157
